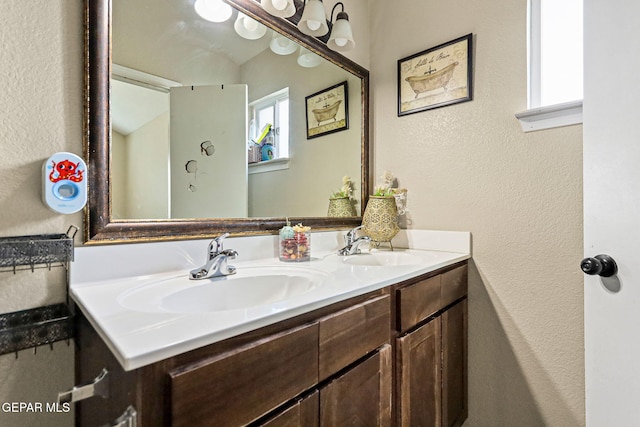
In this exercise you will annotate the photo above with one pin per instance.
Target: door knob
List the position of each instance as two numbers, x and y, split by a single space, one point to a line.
602 265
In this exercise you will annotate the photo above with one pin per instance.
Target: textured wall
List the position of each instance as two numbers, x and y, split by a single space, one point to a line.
470 167
41 99
467 167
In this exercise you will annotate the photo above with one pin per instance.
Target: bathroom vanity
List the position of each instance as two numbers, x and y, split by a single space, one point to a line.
387 345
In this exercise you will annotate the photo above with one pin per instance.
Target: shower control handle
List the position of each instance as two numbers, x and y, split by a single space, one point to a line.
601 265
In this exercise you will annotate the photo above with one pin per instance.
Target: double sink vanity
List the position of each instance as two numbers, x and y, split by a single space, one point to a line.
375 338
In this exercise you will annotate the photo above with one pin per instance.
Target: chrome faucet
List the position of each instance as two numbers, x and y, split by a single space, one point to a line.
217 261
352 242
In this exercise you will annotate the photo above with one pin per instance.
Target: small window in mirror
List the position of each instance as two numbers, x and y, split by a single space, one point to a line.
269 127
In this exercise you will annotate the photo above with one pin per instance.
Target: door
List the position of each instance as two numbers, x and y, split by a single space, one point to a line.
612 211
208 151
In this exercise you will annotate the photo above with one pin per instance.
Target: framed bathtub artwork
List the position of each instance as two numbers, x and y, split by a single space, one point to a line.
436 77
327 111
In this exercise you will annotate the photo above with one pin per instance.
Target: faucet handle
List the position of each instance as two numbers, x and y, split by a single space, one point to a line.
351 234
215 246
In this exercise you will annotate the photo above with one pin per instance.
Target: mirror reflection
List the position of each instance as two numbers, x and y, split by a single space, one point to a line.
209 119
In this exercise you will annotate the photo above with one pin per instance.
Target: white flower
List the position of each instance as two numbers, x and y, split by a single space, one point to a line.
387 178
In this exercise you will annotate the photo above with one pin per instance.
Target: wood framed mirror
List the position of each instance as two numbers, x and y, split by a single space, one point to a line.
102 226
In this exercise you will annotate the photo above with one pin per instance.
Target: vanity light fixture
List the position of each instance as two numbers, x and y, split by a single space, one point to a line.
308 59
281 8
314 19
213 10
341 38
282 45
249 28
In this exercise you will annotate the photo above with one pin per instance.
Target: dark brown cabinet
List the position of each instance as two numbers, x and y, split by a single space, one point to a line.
396 356
419 376
361 396
242 384
302 413
454 365
431 351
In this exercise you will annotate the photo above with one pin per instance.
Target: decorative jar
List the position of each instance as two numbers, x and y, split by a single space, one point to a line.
341 207
380 220
295 244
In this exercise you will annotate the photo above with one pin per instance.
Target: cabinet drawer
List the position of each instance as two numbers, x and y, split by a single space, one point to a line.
418 301
453 285
347 335
237 387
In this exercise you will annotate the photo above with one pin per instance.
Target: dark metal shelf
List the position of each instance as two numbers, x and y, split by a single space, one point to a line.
30 328
42 325
22 252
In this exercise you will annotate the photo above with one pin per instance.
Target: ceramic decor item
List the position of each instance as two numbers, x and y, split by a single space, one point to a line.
380 220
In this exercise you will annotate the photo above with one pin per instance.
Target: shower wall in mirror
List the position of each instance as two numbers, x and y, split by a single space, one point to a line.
159 173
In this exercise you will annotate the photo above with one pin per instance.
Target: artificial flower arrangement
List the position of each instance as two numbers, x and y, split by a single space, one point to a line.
386 190
346 190
295 243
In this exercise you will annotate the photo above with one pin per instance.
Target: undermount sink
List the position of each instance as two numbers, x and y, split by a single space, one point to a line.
384 258
249 287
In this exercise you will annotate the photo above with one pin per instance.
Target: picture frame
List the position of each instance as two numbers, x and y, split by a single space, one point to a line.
436 77
327 111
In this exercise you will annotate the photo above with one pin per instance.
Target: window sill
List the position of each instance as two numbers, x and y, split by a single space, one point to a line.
553 116
269 165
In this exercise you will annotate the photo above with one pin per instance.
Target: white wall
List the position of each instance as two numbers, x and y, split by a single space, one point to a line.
119 175
469 167
140 171
147 176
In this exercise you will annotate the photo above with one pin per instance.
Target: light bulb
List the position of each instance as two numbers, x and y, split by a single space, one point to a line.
250 24
313 25
279 4
213 10
341 42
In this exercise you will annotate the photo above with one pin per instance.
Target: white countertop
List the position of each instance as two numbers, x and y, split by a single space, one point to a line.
140 334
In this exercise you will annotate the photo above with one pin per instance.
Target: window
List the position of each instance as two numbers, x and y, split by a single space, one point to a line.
555 63
273 111
555 52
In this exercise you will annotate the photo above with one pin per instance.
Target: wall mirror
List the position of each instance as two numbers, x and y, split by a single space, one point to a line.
149 192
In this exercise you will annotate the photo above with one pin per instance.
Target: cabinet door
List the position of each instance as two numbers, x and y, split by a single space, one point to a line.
454 365
303 413
361 396
418 366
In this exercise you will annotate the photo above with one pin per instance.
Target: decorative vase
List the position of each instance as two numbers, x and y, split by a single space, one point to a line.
341 206
380 220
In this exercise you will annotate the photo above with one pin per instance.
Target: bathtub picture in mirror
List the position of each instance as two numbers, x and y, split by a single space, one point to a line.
327 111
436 77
